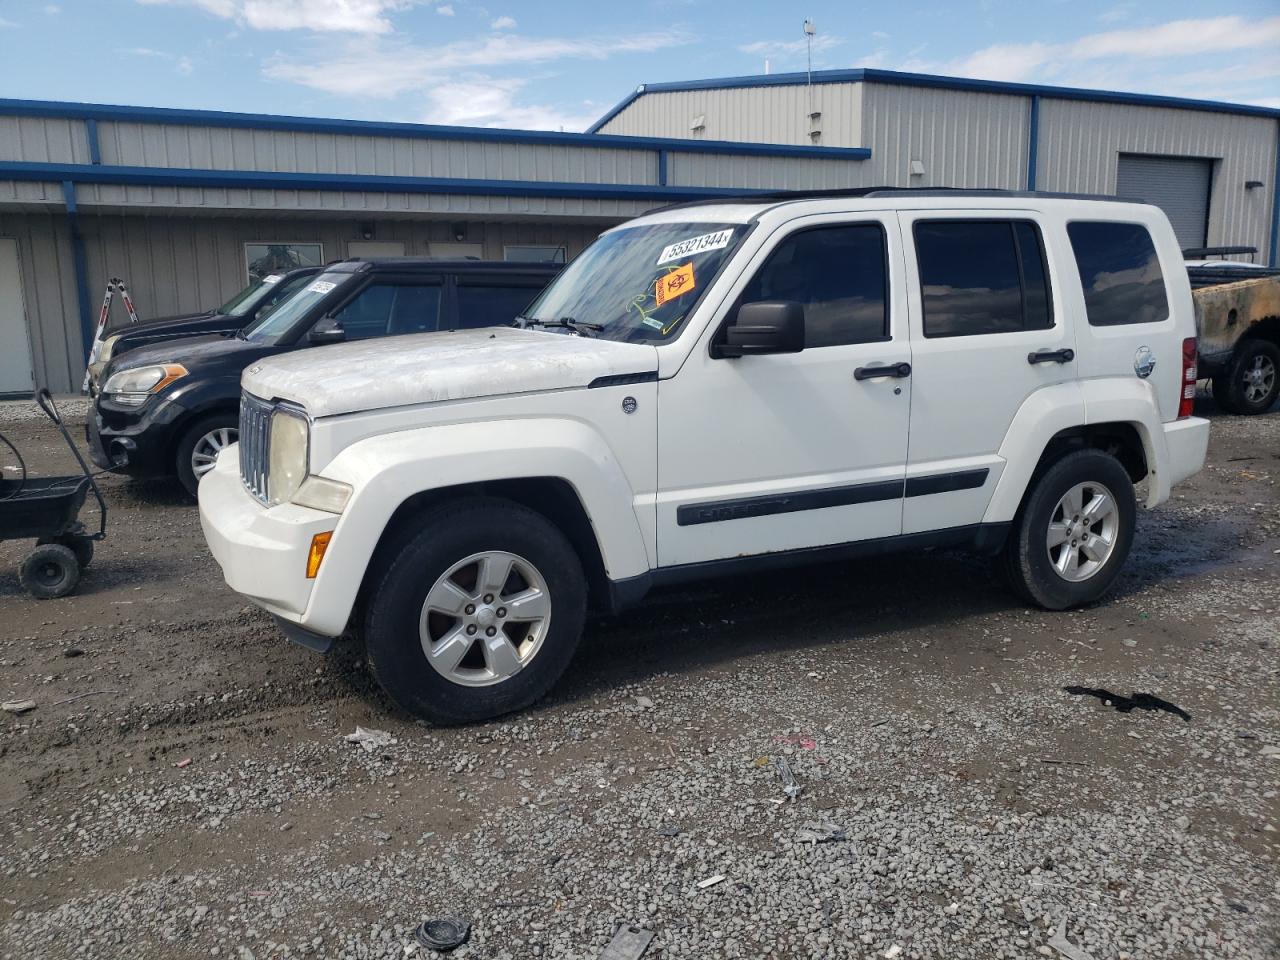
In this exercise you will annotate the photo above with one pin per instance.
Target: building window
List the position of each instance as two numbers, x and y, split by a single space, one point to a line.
838 275
268 257
533 252
982 276
1120 273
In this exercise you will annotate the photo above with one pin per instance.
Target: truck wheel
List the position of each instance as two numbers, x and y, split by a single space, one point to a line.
1073 531
477 614
1251 382
50 570
199 447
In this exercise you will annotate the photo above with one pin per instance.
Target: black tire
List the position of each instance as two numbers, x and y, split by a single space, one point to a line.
441 539
1233 390
50 570
1027 560
80 545
186 446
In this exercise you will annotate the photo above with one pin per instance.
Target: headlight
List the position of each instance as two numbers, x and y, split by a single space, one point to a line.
287 466
132 387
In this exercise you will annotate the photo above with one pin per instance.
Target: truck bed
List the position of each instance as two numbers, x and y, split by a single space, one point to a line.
1228 311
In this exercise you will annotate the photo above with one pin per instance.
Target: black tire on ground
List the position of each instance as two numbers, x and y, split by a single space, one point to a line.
50 570
186 446
441 539
1233 390
1027 560
78 544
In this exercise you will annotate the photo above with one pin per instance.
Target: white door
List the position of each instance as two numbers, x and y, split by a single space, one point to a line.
987 331
16 375
375 248
762 454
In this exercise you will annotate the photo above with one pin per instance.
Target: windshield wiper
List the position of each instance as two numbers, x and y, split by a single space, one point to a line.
580 327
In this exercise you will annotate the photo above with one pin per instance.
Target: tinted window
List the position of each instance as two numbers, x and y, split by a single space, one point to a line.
389 308
492 306
838 275
1120 273
983 276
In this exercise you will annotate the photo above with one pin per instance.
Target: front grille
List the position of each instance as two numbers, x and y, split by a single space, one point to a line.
255 443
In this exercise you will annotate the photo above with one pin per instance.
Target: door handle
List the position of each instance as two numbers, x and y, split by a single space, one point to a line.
1046 356
887 370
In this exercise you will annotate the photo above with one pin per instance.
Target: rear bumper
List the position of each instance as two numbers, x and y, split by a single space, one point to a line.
262 550
1187 442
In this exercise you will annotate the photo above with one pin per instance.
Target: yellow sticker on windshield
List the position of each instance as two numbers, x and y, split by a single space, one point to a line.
674 284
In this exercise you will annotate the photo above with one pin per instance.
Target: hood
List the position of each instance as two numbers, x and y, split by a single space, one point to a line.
156 322
155 331
197 354
427 367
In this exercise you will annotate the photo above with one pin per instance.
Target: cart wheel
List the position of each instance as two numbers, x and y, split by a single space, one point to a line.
81 546
50 570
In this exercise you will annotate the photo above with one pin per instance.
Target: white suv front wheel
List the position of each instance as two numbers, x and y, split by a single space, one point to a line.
1073 531
476 613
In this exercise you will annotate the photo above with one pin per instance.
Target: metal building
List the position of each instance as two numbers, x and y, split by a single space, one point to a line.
1213 167
185 205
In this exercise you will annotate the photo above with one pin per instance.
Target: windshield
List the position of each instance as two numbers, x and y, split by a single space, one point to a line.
244 301
281 318
639 283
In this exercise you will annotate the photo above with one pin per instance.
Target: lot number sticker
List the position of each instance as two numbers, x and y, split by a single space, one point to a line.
274 278
675 284
321 286
686 248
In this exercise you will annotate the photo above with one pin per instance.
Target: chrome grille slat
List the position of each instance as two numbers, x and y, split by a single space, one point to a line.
255 427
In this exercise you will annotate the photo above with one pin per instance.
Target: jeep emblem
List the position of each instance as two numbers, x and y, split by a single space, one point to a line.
256 368
629 404
1144 362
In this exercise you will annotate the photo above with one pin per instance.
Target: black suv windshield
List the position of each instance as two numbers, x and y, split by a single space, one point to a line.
244 301
638 283
281 318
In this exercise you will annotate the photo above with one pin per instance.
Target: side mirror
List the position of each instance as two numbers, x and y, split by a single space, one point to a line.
770 326
327 330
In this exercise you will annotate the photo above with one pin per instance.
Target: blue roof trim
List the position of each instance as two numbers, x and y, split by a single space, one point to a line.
618 107
71 173
944 83
371 128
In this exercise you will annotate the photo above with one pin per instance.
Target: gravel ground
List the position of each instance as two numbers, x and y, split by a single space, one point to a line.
200 798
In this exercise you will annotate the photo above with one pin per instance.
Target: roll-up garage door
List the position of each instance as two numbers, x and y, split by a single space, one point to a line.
1177 185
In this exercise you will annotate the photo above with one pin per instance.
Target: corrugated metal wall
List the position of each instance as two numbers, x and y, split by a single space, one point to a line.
963 139
754 114
1080 145
49 292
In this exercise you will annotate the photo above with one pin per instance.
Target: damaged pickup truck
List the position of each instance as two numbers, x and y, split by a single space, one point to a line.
713 389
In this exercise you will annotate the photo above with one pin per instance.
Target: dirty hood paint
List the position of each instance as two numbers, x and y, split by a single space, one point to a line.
429 367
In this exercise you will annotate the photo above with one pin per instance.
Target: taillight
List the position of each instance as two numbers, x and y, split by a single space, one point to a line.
1189 376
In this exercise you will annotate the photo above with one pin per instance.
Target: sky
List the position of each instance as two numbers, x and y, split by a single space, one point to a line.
561 64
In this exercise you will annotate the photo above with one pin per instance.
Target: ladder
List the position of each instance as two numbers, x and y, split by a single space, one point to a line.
114 285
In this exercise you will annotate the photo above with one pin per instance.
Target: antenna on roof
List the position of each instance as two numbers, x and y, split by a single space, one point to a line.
810 30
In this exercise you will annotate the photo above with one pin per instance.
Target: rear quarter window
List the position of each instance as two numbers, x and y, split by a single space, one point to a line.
1119 273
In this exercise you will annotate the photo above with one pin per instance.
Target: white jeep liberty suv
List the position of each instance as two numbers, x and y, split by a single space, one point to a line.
713 387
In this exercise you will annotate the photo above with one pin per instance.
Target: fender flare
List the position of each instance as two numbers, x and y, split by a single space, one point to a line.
389 469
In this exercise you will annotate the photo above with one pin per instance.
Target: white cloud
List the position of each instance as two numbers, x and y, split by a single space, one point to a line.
445 10
483 101
504 23
790 48
6 24
182 64
52 9
385 69
347 16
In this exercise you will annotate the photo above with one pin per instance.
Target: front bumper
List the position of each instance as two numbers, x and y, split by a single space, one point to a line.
262 550
143 435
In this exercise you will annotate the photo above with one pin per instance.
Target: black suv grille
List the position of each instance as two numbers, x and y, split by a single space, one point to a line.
255 443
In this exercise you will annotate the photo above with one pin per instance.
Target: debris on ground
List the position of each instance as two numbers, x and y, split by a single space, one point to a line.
18 706
1135 701
789 785
628 943
669 830
81 696
184 762
370 740
804 743
711 881
815 831
1064 946
442 933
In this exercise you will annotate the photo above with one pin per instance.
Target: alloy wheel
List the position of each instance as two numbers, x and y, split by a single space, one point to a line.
1259 378
1082 531
205 453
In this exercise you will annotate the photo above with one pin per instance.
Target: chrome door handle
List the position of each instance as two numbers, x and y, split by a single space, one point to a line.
1047 356
886 370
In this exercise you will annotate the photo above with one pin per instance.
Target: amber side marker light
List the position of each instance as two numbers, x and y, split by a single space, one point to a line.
319 544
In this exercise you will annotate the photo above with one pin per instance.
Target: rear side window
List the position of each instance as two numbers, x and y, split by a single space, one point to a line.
982 276
492 306
838 275
1120 273
390 308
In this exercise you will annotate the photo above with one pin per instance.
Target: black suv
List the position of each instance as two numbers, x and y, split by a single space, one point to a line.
170 408
238 312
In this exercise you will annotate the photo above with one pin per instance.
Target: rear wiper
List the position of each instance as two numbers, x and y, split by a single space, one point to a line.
580 327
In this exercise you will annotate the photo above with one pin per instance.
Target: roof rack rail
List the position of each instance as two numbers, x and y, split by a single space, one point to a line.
788 196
